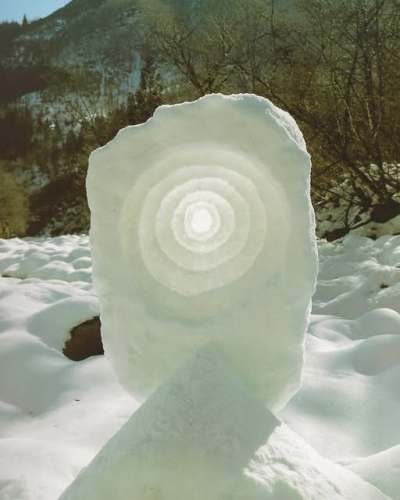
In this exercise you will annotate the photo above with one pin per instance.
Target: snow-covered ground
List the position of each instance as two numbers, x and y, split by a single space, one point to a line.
56 414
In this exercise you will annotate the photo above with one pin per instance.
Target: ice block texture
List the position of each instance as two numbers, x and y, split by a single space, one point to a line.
202 232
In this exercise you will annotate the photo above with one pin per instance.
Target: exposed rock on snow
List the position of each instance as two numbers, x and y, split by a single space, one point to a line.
53 324
202 231
85 341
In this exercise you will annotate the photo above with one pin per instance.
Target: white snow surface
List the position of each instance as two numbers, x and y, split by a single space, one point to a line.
56 414
181 445
377 285
202 230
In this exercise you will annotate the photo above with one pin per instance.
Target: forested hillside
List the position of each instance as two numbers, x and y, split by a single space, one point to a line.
70 81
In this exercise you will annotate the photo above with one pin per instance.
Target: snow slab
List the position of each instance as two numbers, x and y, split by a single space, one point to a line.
202 230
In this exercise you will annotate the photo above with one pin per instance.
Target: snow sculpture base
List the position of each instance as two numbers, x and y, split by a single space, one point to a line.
202 232
203 435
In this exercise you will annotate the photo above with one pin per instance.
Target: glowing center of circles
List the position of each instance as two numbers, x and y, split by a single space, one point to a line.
201 221
200 228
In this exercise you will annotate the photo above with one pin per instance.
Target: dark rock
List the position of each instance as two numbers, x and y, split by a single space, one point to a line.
85 341
336 233
383 212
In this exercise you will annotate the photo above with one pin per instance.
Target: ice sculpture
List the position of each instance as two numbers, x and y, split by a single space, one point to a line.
202 232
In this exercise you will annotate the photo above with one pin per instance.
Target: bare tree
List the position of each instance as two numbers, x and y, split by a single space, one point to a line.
216 47
348 109
333 64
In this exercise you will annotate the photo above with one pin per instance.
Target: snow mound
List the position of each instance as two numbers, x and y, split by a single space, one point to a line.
202 231
53 323
382 470
65 258
358 275
376 355
203 435
349 403
380 321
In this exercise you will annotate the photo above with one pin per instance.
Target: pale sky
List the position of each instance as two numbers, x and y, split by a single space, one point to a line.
14 10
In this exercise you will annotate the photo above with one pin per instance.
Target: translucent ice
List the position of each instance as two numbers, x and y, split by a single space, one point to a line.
202 232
